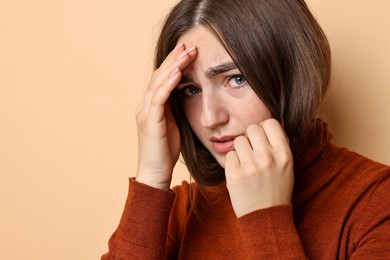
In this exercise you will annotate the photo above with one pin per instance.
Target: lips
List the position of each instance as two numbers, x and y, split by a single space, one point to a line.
223 144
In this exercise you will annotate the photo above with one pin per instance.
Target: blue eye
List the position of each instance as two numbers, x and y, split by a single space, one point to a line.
237 81
190 90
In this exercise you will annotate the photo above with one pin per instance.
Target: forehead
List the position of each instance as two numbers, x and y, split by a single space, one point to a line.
210 51
199 35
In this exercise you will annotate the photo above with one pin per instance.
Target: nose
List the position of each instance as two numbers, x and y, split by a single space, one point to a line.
214 111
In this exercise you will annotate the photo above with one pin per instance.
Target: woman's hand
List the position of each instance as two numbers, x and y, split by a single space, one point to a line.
158 135
259 172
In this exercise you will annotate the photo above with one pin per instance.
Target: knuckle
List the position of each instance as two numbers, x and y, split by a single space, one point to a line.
267 161
243 171
253 128
251 169
285 158
235 177
239 139
270 122
152 84
141 118
229 157
155 99
155 73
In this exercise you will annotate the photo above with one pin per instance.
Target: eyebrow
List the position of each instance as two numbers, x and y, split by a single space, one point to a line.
212 71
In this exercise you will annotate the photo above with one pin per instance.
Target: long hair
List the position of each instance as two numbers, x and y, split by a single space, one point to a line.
277 45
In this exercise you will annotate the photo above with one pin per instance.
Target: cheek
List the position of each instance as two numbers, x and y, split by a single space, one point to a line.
255 111
263 113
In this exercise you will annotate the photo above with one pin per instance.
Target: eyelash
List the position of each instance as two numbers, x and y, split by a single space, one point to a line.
197 89
237 76
187 88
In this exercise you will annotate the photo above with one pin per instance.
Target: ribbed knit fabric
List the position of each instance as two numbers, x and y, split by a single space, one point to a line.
340 210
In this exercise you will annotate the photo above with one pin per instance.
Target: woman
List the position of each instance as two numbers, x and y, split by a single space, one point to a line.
237 90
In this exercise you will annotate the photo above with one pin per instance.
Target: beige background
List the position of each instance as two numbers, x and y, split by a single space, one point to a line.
71 74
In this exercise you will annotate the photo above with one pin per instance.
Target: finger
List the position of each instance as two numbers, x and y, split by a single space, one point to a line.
165 78
161 96
177 48
275 134
243 149
231 161
257 137
180 60
171 56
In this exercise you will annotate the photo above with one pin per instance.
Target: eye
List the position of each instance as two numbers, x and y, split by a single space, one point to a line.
190 90
237 81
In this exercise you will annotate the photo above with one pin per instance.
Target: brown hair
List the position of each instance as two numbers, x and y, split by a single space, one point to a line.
277 45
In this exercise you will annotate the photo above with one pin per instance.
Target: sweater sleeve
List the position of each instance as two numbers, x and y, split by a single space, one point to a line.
271 234
142 230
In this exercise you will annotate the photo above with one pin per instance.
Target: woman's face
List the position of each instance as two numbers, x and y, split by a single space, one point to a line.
217 101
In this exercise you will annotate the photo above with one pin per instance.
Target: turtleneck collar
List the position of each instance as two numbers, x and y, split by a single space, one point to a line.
305 149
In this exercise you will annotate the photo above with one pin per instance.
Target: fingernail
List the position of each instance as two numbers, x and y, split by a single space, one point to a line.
182 55
191 49
185 53
178 46
174 72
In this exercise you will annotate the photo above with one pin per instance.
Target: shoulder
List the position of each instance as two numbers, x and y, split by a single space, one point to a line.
342 163
370 186
359 180
344 179
354 166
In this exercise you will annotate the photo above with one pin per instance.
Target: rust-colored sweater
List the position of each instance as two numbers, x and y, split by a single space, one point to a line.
340 210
